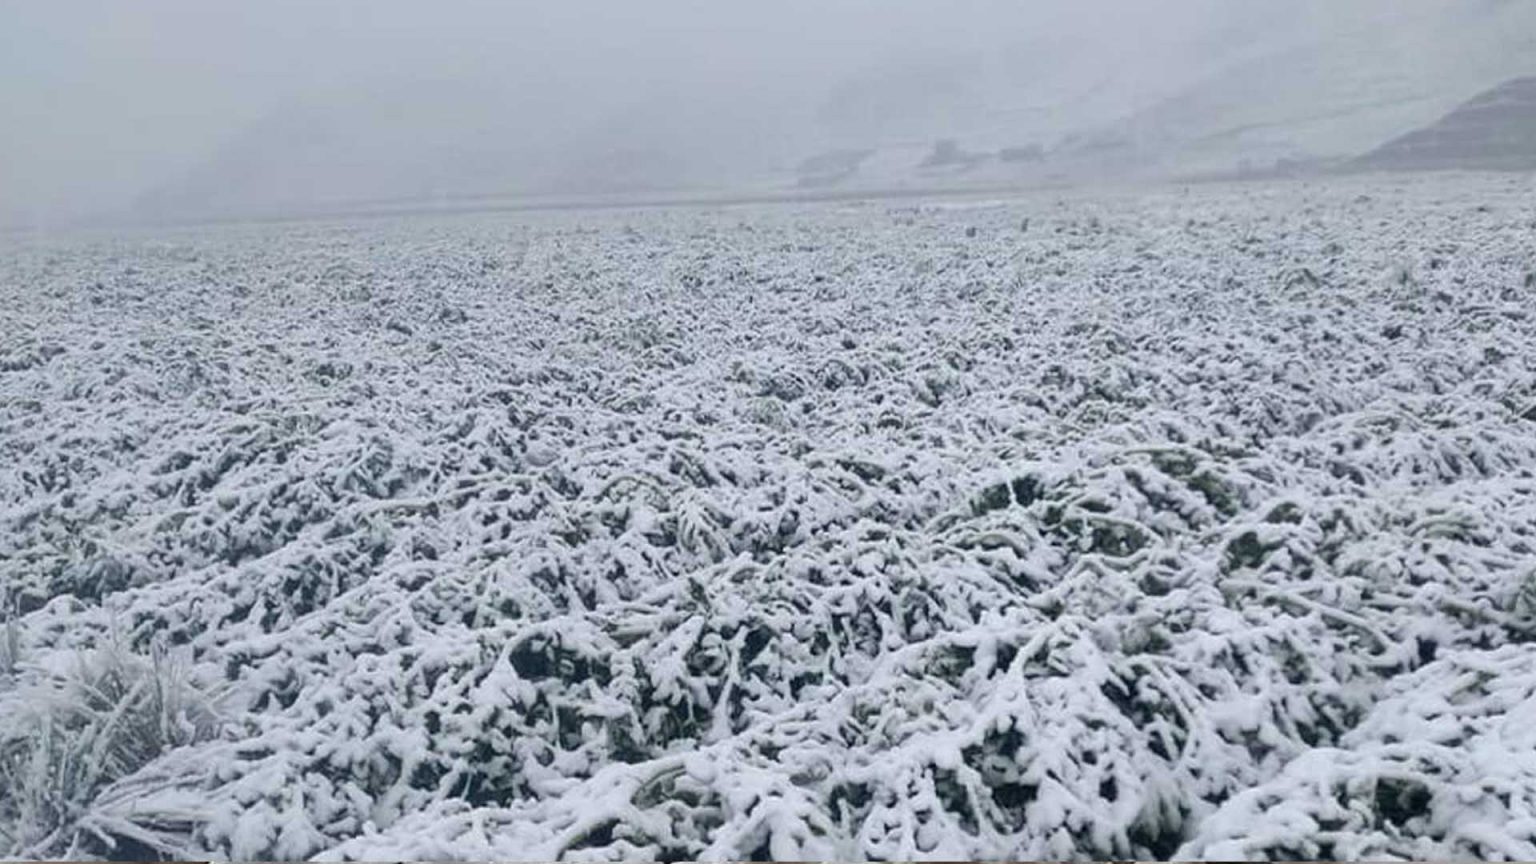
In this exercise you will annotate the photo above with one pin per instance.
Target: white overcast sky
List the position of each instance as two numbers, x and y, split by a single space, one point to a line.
101 99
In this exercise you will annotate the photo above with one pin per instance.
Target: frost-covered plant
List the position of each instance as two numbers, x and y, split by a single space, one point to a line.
68 734
1442 768
790 532
10 647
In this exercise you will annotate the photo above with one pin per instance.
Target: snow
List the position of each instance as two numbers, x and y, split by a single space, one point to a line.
1183 522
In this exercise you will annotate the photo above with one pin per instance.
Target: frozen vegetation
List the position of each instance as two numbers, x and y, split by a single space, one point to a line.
1195 523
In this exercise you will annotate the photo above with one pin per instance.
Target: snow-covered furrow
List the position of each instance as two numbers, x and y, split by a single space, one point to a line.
1196 522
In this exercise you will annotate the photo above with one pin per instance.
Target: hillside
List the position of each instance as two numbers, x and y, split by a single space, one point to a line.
1494 131
1330 93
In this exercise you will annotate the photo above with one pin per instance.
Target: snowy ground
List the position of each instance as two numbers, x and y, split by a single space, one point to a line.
1191 522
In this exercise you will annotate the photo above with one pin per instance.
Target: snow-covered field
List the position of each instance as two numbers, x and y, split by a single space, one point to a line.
1186 522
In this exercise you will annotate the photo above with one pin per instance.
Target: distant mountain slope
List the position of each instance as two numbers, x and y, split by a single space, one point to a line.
1212 89
1357 75
1250 87
1496 130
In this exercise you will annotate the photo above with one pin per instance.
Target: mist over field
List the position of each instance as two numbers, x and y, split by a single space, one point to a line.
851 430
181 109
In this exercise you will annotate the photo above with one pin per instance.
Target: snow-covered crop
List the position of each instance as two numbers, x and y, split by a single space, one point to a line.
1197 523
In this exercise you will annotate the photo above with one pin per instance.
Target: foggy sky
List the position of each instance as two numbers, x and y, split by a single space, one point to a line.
103 101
